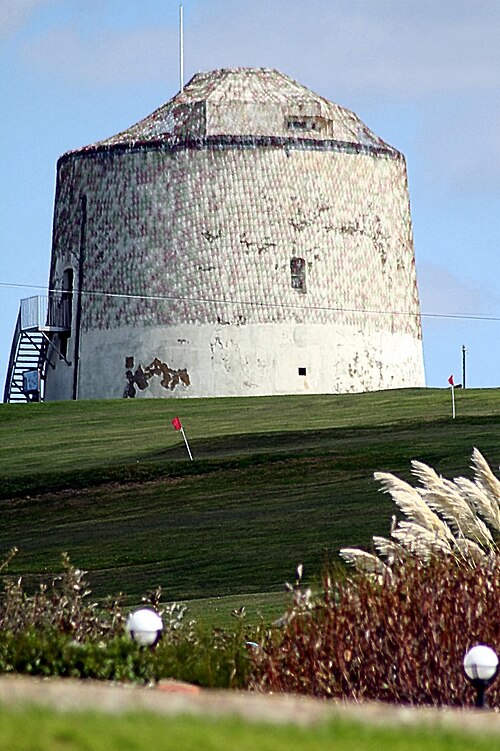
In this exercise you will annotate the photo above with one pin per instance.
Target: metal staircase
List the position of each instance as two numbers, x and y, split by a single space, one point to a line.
39 318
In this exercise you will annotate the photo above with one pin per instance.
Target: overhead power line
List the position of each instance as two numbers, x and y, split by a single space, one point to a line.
254 303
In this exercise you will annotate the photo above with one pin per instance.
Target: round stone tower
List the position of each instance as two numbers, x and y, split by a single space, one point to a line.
249 237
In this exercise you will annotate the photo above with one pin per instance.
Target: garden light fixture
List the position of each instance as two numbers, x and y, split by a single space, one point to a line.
145 627
481 669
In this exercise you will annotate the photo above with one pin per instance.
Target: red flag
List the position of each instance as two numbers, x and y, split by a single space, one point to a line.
451 381
176 423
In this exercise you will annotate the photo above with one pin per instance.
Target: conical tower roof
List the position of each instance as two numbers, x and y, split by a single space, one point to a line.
250 102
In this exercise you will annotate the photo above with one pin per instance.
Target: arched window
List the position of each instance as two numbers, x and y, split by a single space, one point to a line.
66 311
67 298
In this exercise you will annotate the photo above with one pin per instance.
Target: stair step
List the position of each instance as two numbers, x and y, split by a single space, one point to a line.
29 351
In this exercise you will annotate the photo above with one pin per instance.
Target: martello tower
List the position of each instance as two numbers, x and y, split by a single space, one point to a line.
249 237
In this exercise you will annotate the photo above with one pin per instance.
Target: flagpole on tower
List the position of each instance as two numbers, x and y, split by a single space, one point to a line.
181 48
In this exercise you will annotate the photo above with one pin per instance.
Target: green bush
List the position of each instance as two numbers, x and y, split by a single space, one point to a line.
214 660
58 631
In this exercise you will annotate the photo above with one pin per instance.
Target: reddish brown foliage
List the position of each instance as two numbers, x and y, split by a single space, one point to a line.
400 641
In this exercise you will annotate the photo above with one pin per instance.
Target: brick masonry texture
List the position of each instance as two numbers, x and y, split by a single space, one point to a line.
193 216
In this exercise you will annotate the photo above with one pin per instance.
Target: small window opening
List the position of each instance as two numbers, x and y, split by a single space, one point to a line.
308 123
302 371
301 124
298 274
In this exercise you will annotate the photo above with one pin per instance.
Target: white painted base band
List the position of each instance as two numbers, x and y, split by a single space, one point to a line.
246 360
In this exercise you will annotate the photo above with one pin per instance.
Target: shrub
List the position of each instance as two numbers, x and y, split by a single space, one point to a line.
215 660
61 605
59 631
400 639
398 628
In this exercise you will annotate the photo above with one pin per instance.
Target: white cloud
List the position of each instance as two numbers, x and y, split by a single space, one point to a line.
442 291
409 49
105 59
425 54
463 143
14 13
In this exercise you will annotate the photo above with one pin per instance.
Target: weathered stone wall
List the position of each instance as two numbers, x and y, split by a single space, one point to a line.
243 101
213 231
251 360
207 224
217 262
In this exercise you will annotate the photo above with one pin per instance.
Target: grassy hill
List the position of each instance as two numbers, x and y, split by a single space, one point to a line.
275 481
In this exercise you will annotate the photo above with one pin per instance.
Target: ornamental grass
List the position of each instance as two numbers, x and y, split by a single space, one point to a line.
397 628
399 639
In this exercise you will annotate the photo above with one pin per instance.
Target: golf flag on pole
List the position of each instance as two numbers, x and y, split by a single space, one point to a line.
178 426
452 384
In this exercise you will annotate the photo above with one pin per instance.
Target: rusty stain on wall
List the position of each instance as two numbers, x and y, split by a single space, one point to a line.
140 378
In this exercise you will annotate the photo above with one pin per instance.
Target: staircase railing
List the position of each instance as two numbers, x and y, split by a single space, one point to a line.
12 359
44 313
38 318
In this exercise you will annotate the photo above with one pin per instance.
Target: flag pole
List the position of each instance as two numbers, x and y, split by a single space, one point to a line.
452 384
178 426
187 444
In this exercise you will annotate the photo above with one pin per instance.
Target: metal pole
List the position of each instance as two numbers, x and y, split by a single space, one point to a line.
187 444
79 300
463 365
480 689
181 48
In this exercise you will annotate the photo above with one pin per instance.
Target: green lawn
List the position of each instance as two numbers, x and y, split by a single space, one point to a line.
45 440
45 730
275 482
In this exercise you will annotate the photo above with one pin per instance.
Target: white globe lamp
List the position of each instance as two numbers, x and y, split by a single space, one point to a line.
481 668
145 627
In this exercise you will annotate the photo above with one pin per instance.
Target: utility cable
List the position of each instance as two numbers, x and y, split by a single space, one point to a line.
253 303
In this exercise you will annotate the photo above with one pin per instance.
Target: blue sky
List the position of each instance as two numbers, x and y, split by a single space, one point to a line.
424 75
